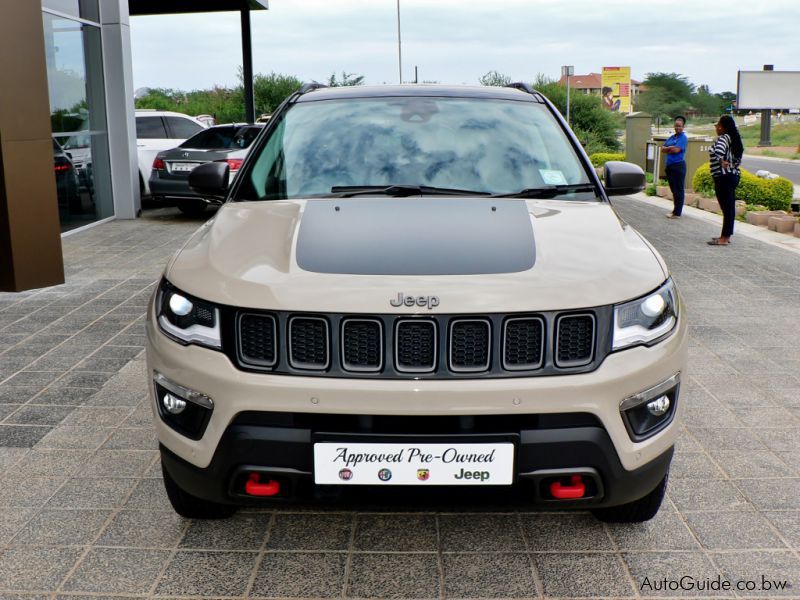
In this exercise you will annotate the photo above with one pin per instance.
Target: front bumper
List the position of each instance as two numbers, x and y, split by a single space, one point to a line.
206 467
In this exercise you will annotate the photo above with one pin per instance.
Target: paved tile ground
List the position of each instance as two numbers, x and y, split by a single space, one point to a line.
83 513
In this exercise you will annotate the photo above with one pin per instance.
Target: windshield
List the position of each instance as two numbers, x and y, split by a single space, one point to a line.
222 138
479 145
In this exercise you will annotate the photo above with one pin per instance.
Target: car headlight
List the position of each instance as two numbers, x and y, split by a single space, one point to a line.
647 319
187 319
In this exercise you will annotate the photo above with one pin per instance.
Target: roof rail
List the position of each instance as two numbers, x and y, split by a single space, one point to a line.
518 85
310 87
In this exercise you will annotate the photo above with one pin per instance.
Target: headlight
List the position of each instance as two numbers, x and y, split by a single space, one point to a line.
647 319
187 319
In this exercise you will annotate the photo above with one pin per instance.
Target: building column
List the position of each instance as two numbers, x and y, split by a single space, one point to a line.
30 232
118 83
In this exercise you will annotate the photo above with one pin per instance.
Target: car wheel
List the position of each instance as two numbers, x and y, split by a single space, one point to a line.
192 208
638 511
189 506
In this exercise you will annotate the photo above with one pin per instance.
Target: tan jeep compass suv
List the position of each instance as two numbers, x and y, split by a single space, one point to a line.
417 286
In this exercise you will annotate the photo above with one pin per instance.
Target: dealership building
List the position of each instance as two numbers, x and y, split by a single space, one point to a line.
67 124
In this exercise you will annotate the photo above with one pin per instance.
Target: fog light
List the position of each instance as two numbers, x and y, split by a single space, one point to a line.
172 404
650 411
659 406
185 410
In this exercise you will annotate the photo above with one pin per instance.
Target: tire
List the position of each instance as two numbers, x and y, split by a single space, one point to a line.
192 208
189 506
638 511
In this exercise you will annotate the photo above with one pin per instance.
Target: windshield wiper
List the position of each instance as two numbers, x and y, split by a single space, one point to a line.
549 191
400 191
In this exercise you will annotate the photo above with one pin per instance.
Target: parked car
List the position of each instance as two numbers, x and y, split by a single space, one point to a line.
169 178
67 185
417 286
158 130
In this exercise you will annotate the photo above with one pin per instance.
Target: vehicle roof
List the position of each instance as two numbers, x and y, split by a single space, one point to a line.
151 112
425 90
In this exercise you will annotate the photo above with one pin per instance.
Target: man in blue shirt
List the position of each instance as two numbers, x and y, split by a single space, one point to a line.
675 148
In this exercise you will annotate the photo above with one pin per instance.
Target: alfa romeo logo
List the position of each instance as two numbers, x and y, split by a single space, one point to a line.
384 474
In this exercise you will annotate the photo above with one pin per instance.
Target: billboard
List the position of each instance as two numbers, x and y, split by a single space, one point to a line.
758 90
616 89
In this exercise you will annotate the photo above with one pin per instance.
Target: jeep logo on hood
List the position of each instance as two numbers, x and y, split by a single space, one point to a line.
401 300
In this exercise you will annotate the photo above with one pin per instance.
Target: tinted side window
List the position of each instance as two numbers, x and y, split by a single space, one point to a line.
150 128
182 128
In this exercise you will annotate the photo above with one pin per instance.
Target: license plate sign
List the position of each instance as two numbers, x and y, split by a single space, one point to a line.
343 463
180 167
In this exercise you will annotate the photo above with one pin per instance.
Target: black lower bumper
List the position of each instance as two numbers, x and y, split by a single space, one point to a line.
285 454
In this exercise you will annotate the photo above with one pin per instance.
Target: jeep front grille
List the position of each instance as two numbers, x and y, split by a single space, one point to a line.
470 345
431 346
575 343
258 344
415 346
523 343
308 343
362 345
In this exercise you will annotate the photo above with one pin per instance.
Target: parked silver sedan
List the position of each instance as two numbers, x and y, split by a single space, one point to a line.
169 179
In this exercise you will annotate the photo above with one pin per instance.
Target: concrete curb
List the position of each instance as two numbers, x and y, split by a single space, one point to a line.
762 234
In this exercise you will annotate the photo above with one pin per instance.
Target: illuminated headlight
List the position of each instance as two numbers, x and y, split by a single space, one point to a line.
186 319
647 319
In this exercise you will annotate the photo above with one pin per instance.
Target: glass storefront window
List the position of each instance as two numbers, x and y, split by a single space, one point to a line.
84 9
78 120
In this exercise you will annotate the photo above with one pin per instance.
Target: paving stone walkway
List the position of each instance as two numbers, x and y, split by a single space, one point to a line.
83 512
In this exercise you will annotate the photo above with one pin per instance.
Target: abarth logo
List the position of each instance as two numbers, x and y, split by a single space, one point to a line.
185 155
384 474
403 300
423 474
345 474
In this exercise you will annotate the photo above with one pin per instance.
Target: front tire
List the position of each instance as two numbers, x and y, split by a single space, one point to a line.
638 511
191 507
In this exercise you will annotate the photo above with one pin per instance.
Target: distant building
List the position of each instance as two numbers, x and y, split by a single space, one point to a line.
590 84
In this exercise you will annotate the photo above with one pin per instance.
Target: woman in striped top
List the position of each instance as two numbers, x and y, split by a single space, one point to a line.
726 156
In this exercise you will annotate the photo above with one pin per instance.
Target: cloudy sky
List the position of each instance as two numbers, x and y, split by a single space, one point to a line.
457 41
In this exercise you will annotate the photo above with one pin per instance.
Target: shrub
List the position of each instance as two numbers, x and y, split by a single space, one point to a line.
650 190
600 158
775 194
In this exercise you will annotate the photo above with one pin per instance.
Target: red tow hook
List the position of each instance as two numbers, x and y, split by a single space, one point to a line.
576 489
253 488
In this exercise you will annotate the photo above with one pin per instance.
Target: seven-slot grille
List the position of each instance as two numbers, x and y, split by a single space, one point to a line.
430 346
362 345
575 340
258 343
308 343
470 345
415 345
523 343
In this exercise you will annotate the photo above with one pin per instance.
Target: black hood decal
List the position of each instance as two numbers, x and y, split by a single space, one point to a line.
415 236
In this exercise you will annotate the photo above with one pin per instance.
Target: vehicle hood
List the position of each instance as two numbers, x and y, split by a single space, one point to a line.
476 255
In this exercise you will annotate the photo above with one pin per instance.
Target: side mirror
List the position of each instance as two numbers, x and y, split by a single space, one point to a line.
211 180
623 178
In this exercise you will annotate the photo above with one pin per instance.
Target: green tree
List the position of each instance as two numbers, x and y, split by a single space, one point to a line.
666 95
594 126
270 90
347 80
494 78
707 103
